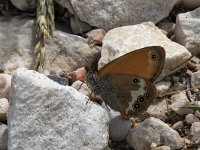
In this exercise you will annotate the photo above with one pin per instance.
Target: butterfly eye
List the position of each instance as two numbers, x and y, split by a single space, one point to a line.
153 56
136 106
141 98
146 94
145 88
135 80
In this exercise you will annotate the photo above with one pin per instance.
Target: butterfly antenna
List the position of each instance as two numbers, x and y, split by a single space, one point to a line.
186 61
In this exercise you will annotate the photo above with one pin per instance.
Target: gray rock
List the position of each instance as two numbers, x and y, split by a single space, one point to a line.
187 31
122 40
4 106
178 86
75 26
180 100
112 13
162 148
25 5
195 132
153 130
64 51
145 137
162 88
3 136
158 109
178 125
197 113
191 3
195 78
119 128
168 27
46 115
191 118
5 85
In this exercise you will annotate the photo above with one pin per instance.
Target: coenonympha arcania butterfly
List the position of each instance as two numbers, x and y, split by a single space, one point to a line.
126 83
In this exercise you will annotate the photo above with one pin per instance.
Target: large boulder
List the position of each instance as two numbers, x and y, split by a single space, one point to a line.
115 13
64 51
46 115
187 30
122 40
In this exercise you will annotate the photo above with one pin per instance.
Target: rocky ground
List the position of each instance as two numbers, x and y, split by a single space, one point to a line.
38 113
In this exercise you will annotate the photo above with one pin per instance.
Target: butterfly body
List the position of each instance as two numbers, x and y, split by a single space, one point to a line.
126 96
127 86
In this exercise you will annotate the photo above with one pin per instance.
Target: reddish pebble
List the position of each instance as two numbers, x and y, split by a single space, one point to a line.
97 34
79 74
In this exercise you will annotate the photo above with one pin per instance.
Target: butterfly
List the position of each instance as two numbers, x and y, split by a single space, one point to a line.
126 84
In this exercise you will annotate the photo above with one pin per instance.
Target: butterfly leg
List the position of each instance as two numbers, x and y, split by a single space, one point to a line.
132 120
89 98
80 85
107 106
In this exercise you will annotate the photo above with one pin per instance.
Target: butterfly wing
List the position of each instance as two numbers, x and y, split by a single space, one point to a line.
130 95
147 63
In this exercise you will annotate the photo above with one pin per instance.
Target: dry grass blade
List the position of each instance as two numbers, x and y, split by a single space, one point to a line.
44 27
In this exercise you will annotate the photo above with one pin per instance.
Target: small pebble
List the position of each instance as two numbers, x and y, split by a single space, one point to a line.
162 88
178 125
119 128
191 65
5 86
179 100
82 88
78 74
4 105
191 118
197 113
97 34
195 60
162 148
153 145
197 68
195 132
187 142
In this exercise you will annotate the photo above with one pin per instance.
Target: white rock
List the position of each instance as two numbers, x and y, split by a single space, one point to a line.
162 88
46 115
25 5
5 85
153 130
187 32
162 148
3 137
191 3
191 118
195 132
195 79
63 51
158 109
4 105
122 40
119 128
112 13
